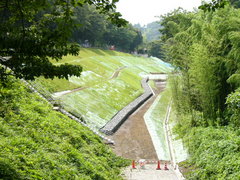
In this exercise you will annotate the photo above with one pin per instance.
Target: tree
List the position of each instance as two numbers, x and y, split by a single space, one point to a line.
150 31
126 39
205 47
92 25
214 5
33 33
155 49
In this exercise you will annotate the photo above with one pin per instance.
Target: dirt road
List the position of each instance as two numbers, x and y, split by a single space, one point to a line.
132 139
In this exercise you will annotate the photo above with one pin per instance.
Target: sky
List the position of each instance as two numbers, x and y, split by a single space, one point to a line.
144 11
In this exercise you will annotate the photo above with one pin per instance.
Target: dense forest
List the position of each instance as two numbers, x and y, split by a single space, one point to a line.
151 44
95 30
150 32
204 48
56 28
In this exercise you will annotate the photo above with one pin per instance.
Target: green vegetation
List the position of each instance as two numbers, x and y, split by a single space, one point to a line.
39 143
104 92
214 152
32 33
204 48
97 31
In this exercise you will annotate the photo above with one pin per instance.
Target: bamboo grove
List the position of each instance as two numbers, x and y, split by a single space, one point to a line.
204 47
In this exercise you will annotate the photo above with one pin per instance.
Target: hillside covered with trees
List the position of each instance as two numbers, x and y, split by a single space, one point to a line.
204 48
96 31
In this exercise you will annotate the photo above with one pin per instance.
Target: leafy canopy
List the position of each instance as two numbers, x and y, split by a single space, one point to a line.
35 32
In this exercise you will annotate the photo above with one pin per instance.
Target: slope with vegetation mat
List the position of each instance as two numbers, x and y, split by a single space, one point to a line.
39 143
104 96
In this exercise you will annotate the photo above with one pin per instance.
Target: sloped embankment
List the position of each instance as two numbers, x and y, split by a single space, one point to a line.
119 118
105 96
39 143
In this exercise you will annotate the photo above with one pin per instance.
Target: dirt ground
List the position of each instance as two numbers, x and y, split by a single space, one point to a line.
132 139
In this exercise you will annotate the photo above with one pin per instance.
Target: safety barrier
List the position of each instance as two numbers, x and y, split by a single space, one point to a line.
158 163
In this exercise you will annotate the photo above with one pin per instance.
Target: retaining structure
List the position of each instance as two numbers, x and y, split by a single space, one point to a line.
119 118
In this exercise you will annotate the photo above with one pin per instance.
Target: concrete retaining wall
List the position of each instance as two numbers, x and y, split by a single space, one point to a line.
119 118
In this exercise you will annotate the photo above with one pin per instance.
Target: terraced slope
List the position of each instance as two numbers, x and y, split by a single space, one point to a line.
110 80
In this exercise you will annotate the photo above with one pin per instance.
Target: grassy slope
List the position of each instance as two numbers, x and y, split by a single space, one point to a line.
39 143
104 97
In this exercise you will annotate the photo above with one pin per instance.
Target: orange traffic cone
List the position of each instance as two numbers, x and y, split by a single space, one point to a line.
165 167
133 164
158 166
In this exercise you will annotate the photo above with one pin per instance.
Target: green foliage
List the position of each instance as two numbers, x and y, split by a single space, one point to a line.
39 143
204 47
235 3
233 102
125 39
155 49
215 153
96 31
33 32
150 31
214 5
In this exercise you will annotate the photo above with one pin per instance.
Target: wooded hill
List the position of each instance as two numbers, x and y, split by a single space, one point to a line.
96 31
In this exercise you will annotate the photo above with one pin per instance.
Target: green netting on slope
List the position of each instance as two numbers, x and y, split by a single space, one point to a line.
103 96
